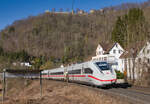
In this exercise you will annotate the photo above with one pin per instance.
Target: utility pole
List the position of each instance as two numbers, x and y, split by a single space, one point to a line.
41 84
73 6
4 85
133 61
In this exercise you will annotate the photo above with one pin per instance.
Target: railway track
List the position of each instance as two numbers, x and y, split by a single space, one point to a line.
132 95
136 96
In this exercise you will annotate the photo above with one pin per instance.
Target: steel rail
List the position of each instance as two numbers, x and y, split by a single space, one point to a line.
130 95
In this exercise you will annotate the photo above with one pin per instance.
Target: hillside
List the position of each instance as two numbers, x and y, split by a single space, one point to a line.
63 37
50 34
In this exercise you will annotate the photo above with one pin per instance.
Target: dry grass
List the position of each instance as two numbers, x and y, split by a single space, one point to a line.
55 92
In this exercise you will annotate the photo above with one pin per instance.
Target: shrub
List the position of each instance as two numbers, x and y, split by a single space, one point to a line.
119 75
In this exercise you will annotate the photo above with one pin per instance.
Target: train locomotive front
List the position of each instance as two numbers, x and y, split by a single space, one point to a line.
102 74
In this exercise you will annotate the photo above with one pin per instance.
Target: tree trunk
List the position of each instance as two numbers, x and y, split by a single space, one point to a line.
133 69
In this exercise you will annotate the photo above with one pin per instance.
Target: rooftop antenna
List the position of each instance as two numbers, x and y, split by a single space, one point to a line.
73 6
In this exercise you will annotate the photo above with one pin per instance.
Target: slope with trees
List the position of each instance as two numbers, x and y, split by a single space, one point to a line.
65 38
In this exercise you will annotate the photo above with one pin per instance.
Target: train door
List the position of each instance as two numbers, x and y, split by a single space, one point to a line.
72 74
83 72
87 71
66 75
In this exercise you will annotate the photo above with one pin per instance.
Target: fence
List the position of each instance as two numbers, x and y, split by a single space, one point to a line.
19 73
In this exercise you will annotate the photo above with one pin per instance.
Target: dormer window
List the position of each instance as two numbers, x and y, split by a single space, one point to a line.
117 45
114 51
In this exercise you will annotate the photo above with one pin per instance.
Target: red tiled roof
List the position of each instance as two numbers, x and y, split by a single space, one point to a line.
106 46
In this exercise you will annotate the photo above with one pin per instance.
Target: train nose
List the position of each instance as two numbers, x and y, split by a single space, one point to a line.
113 81
107 72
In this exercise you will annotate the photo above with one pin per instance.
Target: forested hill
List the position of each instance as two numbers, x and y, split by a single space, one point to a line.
57 34
63 36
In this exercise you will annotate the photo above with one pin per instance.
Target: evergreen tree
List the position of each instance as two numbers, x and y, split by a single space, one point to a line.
136 25
130 28
119 31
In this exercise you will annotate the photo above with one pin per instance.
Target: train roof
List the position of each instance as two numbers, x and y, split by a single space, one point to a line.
72 65
22 70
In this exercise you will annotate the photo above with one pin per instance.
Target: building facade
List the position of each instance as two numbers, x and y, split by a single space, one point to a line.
134 61
110 53
143 60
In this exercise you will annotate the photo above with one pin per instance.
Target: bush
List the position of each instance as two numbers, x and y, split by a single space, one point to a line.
47 65
119 75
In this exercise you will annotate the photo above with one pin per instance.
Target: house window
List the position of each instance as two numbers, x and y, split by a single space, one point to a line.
148 60
148 51
114 51
105 58
99 53
139 60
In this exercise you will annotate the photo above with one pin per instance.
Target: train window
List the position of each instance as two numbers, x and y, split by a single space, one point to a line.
44 73
102 65
78 71
88 71
57 73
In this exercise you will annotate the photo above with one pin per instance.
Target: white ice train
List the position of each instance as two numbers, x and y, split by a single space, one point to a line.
92 72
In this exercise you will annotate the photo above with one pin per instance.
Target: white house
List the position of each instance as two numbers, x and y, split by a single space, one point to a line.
143 59
27 64
100 54
110 53
117 51
99 50
144 54
134 57
134 61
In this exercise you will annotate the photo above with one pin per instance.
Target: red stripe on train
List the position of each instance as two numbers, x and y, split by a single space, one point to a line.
63 76
52 75
90 76
101 79
77 76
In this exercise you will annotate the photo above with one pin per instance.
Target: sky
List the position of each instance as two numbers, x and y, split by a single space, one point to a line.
12 10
